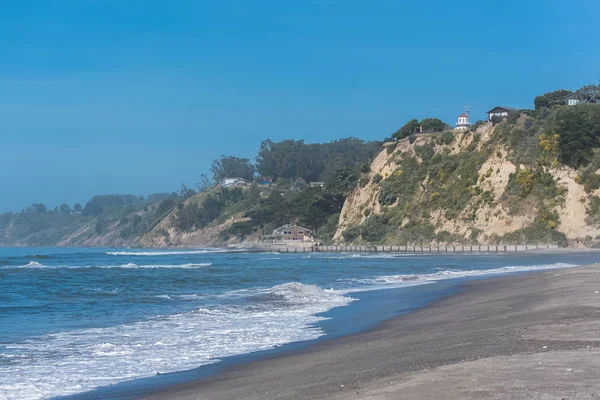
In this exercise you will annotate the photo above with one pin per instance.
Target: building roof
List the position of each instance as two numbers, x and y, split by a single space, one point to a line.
571 96
287 226
463 115
503 108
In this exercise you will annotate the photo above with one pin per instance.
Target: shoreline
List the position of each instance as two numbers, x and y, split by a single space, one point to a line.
369 308
531 326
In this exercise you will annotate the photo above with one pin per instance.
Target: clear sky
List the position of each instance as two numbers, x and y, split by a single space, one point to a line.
123 96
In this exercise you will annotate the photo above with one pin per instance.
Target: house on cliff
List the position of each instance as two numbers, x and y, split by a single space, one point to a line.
501 112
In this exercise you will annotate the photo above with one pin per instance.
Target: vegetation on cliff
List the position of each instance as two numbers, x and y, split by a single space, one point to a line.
529 178
495 183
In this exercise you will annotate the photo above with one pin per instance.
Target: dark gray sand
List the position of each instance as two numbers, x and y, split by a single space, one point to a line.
524 336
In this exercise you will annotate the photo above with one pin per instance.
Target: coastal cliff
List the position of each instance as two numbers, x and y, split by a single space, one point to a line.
491 184
531 177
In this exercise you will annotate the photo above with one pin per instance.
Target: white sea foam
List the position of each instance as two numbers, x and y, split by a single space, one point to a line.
34 264
168 253
345 256
454 273
79 360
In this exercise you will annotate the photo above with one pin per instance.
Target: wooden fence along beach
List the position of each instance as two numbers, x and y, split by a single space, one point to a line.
414 249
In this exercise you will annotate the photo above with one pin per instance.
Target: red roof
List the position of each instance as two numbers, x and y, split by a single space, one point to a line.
463 115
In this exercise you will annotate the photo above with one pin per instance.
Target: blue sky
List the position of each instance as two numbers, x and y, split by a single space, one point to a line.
121 96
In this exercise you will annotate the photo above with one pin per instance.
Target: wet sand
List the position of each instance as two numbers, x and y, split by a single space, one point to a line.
534 335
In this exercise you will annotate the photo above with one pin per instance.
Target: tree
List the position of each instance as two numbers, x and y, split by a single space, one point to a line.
551 99
433 125
64 208
165 207
242 229
589 94
77 208
408 129
204 183
232 167
291 159
186 192
39 208
339 185
579 133
92 209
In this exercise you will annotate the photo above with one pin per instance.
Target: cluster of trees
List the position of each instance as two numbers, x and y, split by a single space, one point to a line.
551 99
292 159
414 126
38 208
577 127
232 167
316 208
579 133
267 208
587 94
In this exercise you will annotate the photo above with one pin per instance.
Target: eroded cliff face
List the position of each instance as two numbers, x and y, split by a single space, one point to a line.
501 201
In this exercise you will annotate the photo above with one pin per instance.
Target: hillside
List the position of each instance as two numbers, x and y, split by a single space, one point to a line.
505 183
106 220
530 178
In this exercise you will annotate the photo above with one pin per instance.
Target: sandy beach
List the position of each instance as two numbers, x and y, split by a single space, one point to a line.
534 335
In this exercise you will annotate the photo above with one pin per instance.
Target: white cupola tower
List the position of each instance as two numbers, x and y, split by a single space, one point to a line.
463 122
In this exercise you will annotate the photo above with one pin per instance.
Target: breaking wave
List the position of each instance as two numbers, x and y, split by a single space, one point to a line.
74 361
168 253
36 265
453 273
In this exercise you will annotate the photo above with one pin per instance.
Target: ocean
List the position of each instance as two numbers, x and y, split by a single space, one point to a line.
73 320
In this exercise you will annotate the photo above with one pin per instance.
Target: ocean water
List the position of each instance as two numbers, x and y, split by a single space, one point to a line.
72 320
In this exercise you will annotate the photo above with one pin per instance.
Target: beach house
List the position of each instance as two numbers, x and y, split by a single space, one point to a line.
292 232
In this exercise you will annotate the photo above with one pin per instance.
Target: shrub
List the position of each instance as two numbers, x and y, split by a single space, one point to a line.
402 184
524 179
425 152
589 179
373 229
542 230
446 138
593 210
377 178
549 148
363 181
351 233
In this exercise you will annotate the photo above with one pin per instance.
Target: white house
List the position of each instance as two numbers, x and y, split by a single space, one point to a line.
572 99
463 122
234 182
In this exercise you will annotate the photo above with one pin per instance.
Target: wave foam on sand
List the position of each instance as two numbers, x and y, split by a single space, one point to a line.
75 361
